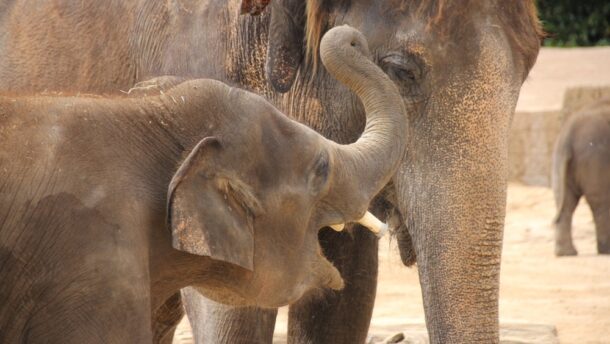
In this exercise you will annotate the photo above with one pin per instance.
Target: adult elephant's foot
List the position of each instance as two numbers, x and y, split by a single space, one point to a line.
565 250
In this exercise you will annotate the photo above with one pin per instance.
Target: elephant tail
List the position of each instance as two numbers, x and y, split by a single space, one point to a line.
562 155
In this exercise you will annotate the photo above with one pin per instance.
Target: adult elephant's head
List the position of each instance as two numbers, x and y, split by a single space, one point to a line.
459 66
256 196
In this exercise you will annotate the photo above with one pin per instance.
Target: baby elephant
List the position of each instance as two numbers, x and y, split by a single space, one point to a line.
581 167
108 206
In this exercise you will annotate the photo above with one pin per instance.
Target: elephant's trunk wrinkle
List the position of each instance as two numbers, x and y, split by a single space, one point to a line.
459 274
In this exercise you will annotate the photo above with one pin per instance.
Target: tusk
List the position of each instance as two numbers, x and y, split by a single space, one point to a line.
369 221
338 227
373 224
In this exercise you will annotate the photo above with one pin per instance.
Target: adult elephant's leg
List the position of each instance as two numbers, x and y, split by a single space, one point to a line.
340 316
564 245
601 216
166 318
215 323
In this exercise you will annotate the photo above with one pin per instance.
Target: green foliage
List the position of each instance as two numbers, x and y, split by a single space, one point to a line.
571 23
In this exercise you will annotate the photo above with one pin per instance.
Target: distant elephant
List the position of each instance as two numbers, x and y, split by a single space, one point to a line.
581 167
459 66
90 186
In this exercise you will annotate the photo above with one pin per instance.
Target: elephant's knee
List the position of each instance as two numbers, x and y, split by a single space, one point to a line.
166 318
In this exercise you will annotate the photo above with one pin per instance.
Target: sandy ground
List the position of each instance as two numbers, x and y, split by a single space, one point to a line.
571 293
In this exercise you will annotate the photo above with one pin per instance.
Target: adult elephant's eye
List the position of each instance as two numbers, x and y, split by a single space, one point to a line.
406 72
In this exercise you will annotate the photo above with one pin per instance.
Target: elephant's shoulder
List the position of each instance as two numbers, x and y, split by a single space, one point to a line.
197 86
214 93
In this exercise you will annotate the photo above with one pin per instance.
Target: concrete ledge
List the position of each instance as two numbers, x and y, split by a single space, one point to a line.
533 135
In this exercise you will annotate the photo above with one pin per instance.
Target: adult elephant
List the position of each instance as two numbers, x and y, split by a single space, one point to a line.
458 65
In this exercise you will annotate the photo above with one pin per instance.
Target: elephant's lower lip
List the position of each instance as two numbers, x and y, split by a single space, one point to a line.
400 231
405 244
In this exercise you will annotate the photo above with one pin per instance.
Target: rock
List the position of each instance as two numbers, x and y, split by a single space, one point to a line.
510 333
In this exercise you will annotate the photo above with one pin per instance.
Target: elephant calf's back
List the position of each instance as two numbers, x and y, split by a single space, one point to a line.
588 137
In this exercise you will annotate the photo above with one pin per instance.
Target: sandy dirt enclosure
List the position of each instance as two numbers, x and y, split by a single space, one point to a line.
572 293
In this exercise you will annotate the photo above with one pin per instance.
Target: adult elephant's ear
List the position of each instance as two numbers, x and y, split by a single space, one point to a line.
253 7
210 212
286 48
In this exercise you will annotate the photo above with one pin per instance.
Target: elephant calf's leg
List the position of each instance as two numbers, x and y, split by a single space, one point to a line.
215 323
166 318
601 216
563 226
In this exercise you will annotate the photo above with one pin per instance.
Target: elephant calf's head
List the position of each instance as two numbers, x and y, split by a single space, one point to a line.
256 195
253 200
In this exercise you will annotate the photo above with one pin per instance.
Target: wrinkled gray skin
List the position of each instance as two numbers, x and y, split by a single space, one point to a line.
458 73
110 206
581 167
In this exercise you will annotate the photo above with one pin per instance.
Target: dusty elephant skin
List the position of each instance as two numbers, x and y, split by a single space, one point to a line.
90 188
581 167
458 66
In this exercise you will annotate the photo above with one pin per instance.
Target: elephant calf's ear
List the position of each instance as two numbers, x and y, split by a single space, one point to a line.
207 217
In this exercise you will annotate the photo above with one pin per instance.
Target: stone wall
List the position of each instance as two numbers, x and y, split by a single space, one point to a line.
533 136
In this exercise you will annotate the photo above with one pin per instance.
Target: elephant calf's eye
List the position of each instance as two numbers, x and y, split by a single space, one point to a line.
321 169
319 175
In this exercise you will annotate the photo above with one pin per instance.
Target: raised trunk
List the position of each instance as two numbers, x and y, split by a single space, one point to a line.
375 156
